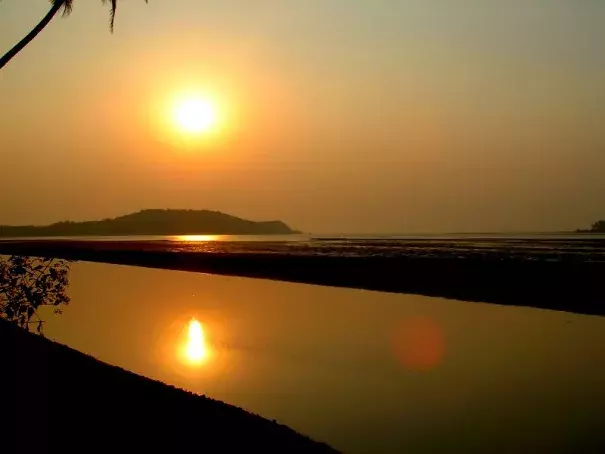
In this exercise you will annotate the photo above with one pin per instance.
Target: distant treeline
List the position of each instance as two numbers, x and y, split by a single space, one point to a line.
597 227
155 222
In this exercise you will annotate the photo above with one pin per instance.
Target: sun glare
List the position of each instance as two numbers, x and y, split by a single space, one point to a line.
195 115
197 238
195 348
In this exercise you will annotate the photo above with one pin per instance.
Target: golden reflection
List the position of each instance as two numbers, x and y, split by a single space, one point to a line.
192 347
196 238
194 350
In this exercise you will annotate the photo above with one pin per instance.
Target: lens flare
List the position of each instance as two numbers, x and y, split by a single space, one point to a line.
419 343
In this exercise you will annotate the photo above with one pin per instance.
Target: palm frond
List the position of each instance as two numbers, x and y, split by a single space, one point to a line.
67 5
112 12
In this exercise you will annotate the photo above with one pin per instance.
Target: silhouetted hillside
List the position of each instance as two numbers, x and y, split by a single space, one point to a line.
597 227
55 399
155 222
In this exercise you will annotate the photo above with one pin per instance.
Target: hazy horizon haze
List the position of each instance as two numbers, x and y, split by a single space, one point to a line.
338 116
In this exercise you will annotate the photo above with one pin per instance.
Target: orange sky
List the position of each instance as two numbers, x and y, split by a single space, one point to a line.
355 116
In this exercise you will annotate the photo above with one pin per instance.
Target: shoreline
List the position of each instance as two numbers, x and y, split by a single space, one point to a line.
565 278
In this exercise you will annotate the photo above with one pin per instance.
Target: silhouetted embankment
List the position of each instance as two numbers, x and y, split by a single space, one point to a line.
559 277
55 399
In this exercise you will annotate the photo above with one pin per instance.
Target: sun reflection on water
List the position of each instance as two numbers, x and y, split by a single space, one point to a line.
191 349
196 238
194 350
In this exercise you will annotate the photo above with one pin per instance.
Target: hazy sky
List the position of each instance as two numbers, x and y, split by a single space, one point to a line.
338 115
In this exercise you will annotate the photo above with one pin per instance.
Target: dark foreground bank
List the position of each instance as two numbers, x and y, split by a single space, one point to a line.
55 399
554 275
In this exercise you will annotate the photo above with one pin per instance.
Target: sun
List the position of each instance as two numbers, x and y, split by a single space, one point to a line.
195 115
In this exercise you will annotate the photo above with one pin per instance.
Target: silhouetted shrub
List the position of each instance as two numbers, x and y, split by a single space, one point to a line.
598 226
26 283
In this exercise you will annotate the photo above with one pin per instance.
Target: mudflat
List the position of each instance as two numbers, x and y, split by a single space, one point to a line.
545 273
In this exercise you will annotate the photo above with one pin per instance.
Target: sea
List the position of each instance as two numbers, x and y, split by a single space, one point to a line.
366 372
307 237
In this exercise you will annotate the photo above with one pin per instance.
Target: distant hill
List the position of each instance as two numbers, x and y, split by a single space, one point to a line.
597 227
155 222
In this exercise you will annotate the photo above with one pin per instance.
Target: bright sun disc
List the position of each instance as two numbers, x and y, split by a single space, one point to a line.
195 115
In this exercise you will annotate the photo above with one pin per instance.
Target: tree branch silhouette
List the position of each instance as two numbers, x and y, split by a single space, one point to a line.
28 283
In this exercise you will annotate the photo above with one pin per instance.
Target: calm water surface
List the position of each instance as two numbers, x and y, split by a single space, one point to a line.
364 371
335 236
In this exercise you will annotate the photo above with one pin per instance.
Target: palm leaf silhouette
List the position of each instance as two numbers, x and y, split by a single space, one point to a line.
56 5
